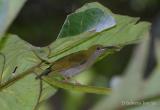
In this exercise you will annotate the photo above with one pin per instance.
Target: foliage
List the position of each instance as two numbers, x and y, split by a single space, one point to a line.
91 24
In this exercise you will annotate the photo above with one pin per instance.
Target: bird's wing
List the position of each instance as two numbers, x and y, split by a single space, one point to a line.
70 61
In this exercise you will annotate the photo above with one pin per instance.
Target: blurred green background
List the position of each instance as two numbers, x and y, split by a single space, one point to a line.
39 23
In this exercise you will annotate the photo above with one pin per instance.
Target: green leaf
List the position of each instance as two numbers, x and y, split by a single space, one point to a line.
82 88
17 54
92 19
22 95
126 31
20 90
8 11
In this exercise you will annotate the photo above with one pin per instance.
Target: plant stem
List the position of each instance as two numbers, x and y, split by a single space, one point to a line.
18 77
74 87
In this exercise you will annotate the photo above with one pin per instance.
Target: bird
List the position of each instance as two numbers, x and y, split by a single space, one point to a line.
75 63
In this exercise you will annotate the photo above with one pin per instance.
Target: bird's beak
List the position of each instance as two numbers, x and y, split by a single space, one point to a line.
117 48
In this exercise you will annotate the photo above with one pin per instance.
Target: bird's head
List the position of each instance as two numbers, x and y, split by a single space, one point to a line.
100 49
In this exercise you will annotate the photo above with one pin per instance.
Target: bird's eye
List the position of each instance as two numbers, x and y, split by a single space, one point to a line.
98 48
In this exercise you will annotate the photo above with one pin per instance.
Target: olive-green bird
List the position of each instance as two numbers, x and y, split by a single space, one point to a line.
75 63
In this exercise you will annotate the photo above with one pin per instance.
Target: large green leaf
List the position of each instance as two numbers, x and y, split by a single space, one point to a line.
126 31
92 19
22 95
17 54
20 90
8 11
